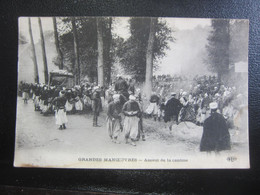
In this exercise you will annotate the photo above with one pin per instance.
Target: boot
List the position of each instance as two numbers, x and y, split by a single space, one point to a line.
64 127
97 123
60 128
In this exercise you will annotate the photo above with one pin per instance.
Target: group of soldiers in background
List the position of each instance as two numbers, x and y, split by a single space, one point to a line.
123 109
192 103
124 103
205 102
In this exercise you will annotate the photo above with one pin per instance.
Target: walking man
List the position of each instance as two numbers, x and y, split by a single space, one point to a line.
131 111
114 118
60 113
96 105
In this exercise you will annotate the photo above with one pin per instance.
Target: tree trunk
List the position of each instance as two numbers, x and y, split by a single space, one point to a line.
76 51
45 65
100 64
57 43
109 53
149 58
36 74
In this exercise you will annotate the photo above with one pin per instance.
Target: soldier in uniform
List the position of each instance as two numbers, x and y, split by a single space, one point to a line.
172 109
131 110
96 105
26 91
114 118
60 113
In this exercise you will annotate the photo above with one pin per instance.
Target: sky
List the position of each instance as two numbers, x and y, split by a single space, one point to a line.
178 57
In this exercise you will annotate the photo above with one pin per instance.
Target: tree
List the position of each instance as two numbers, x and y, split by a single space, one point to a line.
57 44
87 46
100 64
108 50
132 52
76 51
149 57
36 74
218 47
45 65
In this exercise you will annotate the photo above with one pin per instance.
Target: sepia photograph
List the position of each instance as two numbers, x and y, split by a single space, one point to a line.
132 93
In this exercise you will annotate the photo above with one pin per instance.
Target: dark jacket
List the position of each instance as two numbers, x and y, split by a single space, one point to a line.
172 108
114 110
96 102
215 135
60 102
131 106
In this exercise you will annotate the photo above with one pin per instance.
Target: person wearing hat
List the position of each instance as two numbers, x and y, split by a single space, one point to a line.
114 118
44 99
36 98
25 90
131 110
215 135
96 105
60 113
172 109
138 97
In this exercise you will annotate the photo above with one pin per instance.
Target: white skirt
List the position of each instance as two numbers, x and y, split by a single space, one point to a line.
131 127
113 128
36 101
152 109
87 101
25 96
68 106
79 105
61 117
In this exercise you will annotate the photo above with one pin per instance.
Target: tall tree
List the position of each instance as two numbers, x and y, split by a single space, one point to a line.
108 53
57 43
88 46
218 47
133 51
36 74
100 62
76 51
149 57
45 65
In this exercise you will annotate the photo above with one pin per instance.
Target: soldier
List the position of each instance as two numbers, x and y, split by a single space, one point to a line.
60 113
26 90
96 105
114 118
172 109
131 110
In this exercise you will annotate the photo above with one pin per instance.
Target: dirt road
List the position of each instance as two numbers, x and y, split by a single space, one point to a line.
39 143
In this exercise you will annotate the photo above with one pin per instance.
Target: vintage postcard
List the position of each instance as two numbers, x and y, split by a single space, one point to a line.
132 93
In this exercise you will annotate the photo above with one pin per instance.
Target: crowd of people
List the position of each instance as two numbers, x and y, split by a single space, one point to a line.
119 100
192 103
126 105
